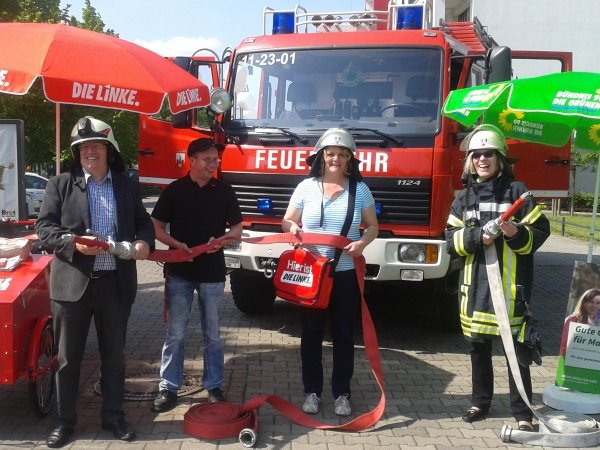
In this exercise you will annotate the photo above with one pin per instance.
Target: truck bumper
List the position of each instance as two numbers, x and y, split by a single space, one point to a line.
383 256
251 256
385 263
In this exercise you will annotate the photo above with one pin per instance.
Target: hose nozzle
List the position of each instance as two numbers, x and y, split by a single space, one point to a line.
247 437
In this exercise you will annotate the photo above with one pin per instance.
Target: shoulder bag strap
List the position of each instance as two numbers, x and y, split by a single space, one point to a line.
347 221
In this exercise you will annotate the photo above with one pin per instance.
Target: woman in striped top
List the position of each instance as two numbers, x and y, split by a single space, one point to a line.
319 205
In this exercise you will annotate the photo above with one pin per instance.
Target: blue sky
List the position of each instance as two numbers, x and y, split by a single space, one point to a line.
179 27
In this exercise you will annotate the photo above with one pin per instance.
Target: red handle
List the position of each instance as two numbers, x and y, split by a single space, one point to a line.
505 216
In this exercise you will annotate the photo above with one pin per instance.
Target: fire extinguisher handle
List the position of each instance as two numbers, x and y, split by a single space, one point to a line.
518 204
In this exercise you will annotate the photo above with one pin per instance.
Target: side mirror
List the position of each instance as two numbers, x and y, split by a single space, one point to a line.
183 61
498 64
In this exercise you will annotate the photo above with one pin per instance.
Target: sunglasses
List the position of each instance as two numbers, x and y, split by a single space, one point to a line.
487 154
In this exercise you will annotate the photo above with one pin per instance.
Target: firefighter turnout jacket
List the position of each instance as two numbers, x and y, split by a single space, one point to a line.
471 210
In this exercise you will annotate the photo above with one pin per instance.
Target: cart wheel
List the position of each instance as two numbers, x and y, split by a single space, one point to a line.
41 388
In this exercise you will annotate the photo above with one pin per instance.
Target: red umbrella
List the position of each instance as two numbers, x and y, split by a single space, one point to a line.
83 67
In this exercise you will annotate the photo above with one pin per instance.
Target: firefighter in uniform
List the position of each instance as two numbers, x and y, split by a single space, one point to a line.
490 189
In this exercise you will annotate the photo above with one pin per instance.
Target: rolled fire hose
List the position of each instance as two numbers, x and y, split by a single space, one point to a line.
222 420
557 429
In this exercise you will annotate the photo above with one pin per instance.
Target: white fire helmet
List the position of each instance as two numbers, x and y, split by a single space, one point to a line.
337 137
485 136
89 129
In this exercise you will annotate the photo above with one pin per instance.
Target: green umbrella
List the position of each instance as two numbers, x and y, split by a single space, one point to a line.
548 110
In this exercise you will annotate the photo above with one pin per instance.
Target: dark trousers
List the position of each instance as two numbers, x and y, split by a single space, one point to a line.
342 314
72 320
483 382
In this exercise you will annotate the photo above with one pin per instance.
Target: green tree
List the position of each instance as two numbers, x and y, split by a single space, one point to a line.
32 11
91 20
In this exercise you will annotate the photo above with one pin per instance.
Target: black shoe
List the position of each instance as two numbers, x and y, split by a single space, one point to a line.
165 401
59 436
525 425
120 429
474 414
216 395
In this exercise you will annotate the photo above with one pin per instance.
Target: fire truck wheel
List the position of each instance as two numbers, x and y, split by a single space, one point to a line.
41 386
252 292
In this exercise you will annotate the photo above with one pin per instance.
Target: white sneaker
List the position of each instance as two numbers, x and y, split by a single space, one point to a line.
311 403
342 405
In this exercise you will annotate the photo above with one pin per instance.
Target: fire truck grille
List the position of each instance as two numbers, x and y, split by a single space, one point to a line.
402 206
397 204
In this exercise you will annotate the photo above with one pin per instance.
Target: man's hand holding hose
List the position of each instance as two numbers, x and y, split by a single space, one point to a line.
91 245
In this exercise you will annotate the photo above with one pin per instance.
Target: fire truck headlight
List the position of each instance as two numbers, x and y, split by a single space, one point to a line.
235 246
418 253
232 263
220 101
411 275
411 253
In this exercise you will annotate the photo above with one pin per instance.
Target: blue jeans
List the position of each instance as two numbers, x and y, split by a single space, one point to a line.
179 298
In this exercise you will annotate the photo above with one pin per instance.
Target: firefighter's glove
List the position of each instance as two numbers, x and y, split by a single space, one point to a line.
529 344
492 229
526 355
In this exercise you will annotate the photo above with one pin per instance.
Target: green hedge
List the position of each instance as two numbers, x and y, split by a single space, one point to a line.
583 202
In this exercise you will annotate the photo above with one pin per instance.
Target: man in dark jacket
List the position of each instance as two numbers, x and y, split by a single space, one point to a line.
85 280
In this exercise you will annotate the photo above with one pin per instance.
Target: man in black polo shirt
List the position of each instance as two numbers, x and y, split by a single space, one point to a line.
198 209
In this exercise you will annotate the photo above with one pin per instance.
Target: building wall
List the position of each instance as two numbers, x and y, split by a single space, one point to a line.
585 181
547 25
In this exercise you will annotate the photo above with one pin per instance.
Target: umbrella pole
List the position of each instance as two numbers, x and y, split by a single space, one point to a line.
593 225
57 137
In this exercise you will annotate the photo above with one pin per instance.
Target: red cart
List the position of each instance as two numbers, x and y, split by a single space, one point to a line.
26 337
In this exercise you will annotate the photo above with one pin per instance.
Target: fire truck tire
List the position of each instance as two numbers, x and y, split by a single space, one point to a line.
41 385
252 292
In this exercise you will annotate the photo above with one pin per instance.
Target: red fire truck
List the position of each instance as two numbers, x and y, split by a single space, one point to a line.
382 74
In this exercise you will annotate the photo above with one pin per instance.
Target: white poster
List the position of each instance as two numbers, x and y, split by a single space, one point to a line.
11 170
583 346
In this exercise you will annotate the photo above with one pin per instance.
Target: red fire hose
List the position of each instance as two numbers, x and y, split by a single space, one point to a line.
221 420
225 420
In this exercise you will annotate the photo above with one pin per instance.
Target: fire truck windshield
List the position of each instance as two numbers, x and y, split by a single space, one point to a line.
390 90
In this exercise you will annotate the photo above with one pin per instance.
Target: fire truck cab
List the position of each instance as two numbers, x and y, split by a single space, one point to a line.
381 74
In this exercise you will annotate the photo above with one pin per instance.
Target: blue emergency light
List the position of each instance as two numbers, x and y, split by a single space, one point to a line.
378 209
410 18
283 22
264 205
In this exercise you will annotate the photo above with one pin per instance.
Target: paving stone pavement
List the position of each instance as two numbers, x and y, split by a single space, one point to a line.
426 370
